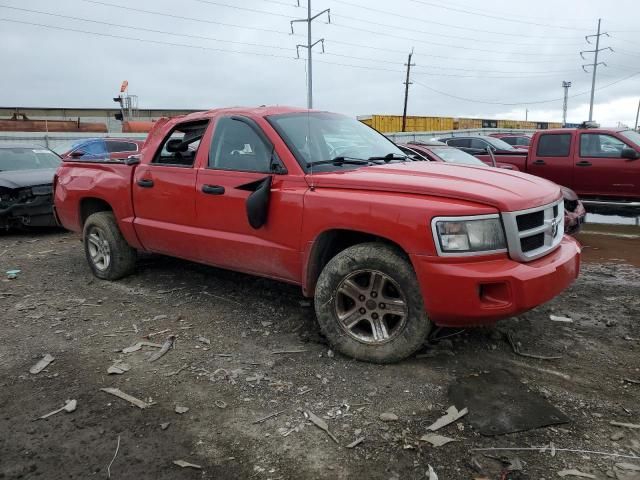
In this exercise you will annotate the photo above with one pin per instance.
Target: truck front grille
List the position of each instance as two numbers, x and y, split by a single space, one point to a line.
534 232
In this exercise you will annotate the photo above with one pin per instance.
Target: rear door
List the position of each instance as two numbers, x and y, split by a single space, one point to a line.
164 193
553 158
241 159
600 169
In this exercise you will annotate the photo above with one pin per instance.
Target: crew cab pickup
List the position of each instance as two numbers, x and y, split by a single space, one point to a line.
387 247
602 165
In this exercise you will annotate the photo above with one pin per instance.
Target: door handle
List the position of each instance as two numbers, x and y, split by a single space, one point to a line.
539 162
583 163
145 183
213 189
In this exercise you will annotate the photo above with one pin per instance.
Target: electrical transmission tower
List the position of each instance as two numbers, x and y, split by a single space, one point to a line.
595 63
566 86
309 46
406 90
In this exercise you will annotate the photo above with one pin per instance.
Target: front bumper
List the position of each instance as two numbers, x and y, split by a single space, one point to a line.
470 293
36 213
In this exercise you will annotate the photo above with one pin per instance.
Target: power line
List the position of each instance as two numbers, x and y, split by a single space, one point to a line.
279 47
138 28
496 17
440 35
463 47
471 100
245 9
179 17
448 25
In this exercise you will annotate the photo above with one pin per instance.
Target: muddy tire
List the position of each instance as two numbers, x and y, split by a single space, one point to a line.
108 254
369 306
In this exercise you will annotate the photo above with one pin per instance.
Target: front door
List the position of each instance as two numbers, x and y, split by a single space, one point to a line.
600 169
553 159
164 193
240 157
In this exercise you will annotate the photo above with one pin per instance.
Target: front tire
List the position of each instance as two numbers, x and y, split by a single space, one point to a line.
369 306
109 255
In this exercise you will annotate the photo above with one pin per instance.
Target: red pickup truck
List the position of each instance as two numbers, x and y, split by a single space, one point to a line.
602 165
387 247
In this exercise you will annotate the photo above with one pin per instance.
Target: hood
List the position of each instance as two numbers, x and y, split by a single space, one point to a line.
26 178
503 189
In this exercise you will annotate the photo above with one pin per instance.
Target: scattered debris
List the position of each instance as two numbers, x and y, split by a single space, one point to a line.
356 442
157 333
42 364
431 474
436 440
166 346
176 372
388 417
69 406
159 317
132 400
515 346
625 425
183 464
13 274
628 466
320 423
139 345
113 459
164 426
181 410
304 390
204 340
283 352
555 318
545 447
452 415
619 435
631 380
330 353
118 368
575 473
500 403
271 415
220 404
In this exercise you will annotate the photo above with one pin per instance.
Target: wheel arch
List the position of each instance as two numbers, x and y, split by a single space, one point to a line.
328 244
91 205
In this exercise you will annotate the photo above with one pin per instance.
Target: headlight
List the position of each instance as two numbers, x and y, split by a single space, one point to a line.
468 234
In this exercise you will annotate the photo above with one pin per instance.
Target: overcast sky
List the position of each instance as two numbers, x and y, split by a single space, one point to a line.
498 51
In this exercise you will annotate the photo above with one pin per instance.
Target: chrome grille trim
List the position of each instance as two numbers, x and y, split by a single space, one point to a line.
552 227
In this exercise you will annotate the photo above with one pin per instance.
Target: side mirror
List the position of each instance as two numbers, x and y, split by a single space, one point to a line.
258 203
629 153
77 154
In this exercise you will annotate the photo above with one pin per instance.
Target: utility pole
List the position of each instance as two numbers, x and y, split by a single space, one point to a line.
309 46
566 86
406 91
595 63
526 114
637 115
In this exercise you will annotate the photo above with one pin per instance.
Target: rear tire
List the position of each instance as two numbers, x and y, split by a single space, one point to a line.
108 254
369 305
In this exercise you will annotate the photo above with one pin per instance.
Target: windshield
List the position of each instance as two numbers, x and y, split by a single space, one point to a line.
318 137
631 135
522 141
453 155
27 159
499 144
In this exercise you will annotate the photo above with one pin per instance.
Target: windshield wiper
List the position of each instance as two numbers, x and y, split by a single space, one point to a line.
390 156
339 161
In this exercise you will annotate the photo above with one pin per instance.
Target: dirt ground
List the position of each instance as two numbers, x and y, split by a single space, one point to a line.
228 369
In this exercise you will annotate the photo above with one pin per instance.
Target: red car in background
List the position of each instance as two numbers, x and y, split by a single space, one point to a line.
435 151
520 141
103 148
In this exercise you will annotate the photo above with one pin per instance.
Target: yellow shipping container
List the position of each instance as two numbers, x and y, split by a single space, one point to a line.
393 123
